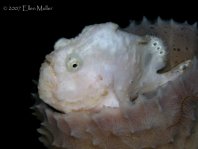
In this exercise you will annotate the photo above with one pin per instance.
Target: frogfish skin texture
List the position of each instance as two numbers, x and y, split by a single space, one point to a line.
114 88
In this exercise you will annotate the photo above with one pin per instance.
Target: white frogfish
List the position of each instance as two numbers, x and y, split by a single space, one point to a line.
121 88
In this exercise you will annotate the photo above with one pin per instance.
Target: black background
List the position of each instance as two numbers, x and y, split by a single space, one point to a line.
28 36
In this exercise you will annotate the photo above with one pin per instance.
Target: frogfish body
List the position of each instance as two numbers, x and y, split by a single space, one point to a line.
113 88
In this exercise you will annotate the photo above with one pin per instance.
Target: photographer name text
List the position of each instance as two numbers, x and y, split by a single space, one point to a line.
26 8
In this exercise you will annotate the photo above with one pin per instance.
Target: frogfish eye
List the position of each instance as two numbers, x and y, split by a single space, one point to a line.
73 62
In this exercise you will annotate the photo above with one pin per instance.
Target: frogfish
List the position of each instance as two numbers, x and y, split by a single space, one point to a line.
121 88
